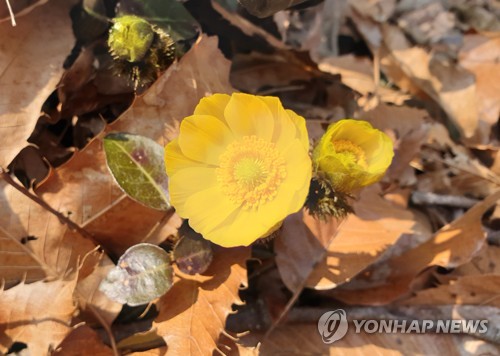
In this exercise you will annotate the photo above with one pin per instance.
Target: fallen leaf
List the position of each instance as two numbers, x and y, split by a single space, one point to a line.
346 248
193 313
456 170
153 352
466 290
34 243
37 314
304 339
430 24
452 246
83 340
451 86
377 10
486 261
91 301
358 74
30 67
314 28
481 56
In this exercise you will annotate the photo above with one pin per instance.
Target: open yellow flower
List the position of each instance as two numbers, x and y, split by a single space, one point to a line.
353 154
239 166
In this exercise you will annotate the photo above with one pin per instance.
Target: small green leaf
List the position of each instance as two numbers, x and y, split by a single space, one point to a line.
170 15
143 273
138 166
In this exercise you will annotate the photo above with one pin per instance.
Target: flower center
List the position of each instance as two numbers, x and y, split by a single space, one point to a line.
251 171
350 152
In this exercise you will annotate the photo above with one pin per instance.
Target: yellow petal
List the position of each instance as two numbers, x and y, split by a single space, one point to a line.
186 182
298 164
213 105
244 227
208 208
176 160
204 138
382 156
247 115
300 124
349 129
284 131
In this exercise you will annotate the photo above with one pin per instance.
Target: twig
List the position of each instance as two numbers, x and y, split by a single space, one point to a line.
428 198
11 13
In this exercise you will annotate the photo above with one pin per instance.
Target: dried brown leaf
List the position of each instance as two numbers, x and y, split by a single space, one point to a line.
357 242
451 86
83 340
30 67
34 243
193 313
37 314
358 74
466 290
452 246
304 339
377 10
481 56
91 300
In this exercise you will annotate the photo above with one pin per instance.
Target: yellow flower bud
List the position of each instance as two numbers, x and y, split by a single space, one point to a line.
352 154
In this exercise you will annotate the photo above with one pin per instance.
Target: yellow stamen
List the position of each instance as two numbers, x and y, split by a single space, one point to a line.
350 152
250 171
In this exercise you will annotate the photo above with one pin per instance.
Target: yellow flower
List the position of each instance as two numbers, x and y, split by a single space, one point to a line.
239 166
353 154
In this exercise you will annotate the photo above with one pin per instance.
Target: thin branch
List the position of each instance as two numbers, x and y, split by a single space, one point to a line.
429 198
11 13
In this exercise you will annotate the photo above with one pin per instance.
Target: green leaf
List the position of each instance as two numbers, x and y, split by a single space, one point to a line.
143 273
138 166
170 15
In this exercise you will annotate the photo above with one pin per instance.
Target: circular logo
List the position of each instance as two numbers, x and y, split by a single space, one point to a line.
332 326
